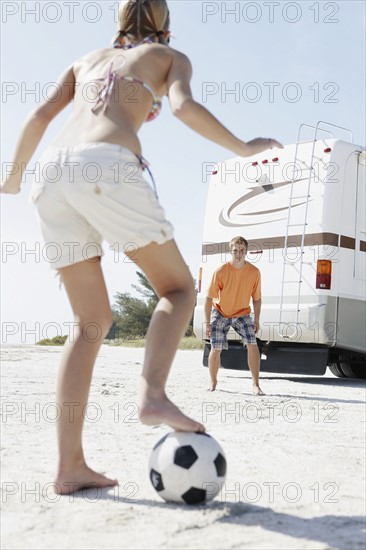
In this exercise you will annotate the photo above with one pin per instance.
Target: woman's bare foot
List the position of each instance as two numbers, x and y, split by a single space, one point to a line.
81 477
257 390
155 411
213 386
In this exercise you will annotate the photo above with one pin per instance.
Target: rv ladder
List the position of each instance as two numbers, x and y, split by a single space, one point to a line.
294 321
292 317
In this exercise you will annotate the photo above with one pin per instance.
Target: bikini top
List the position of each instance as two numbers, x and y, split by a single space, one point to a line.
105 93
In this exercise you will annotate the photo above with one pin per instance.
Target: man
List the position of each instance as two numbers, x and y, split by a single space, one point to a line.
232 286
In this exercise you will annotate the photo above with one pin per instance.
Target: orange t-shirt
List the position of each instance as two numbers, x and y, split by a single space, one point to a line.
232 288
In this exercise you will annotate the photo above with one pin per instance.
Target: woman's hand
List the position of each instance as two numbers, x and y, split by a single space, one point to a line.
258 145
10 185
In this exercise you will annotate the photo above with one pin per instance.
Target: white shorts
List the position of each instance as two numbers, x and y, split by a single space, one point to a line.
90 192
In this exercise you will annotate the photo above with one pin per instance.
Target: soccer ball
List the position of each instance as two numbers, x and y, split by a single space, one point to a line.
187 467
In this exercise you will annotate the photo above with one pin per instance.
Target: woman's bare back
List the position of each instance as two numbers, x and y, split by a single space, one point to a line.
130 102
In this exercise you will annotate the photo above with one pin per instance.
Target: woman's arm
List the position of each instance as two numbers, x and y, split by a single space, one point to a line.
199 119
34 128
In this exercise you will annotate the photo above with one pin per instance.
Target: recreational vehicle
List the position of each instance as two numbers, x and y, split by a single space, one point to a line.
302 211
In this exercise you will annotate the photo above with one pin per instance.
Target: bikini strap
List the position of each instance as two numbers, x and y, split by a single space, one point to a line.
105 93
145 166
147 40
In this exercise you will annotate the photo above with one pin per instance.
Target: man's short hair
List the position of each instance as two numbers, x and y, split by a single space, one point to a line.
238 240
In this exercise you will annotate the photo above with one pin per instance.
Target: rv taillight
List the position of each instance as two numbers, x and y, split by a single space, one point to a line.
200 280
327 150
323 274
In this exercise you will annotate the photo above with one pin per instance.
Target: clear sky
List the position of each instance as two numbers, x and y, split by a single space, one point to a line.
263 68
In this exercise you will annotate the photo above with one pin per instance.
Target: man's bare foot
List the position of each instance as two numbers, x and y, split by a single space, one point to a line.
81 477
257 390
162 411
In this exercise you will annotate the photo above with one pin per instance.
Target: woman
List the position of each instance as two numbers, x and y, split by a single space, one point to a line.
92 188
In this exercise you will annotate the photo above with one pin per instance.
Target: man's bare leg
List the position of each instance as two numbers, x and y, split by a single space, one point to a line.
254 362
214 365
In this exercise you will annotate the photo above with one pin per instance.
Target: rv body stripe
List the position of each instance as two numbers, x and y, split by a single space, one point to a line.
348 242
313 239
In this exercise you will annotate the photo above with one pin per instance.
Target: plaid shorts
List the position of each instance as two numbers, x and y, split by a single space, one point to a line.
220 327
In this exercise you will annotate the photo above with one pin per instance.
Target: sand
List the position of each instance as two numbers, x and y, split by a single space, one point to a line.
296 459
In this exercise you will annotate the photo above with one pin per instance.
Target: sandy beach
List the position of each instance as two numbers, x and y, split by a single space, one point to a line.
296 459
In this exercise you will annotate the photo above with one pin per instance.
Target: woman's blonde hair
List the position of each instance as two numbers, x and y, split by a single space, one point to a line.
142 18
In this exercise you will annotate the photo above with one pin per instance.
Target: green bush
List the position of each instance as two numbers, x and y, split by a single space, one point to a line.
55 341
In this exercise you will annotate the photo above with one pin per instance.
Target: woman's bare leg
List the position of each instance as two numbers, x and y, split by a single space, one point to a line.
85 286
169 275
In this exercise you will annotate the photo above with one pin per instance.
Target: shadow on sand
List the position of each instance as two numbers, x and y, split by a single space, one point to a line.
341 532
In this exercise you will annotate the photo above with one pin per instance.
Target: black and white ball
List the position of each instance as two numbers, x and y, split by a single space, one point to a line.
187 467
